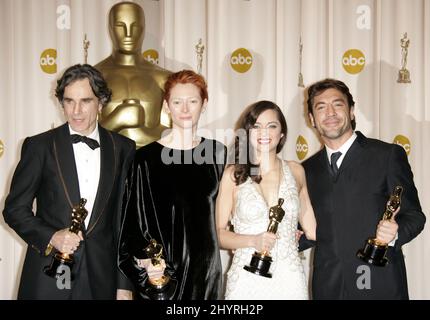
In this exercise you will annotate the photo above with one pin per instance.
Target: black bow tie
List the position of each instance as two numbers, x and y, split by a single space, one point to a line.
93 144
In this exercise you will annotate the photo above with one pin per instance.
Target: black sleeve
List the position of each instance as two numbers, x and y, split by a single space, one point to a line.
410 218
18 210
304 243
122 281
140 224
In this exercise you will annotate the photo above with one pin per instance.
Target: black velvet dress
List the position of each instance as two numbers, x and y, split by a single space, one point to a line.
170 197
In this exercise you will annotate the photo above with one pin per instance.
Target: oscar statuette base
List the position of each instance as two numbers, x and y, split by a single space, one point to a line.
374 253
404 76
161 289
58 264
260 265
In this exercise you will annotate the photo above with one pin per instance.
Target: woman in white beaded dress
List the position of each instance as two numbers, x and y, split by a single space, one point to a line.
249 189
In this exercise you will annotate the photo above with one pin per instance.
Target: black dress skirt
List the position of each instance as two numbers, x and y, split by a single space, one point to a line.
170 196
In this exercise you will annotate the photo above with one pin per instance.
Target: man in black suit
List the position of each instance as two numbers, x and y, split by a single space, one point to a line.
350 181
79 159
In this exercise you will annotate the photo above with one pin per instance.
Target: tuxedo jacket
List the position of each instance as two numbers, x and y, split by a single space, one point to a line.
47 172
348 208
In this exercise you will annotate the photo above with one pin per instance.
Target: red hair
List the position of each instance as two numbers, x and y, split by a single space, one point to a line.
184 77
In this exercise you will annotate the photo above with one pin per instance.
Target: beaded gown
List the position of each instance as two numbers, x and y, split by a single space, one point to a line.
250 216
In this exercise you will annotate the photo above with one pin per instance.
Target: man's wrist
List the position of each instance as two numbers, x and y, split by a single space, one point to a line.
393 242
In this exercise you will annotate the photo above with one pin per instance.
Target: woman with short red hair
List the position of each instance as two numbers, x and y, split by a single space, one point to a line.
170 198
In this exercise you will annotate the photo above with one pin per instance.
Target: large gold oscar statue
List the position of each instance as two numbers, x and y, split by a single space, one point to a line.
137 85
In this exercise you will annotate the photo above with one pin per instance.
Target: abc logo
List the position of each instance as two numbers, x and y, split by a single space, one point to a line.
48 61
403 142
241 60
151 55
1 148
301 148
353 61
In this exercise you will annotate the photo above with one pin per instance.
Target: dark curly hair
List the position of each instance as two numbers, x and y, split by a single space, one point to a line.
84 71
242 148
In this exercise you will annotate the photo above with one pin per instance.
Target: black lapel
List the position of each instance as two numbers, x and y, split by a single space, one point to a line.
354 151
66 166
322 158
108 165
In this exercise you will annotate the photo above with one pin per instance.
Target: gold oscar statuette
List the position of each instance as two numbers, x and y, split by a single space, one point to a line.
375 251
199 51
300 80
164 287
261 261
61 260
86 44
135 109
404 74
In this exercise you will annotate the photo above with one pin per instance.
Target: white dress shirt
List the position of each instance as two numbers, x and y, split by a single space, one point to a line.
344 149
88 167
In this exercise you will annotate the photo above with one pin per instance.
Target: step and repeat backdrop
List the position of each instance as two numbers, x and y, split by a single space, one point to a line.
248 50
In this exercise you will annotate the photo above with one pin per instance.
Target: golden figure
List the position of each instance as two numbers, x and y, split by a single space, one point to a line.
160 288
404 74
261 261
86 44
60 259
154 251
1 148
375 250
300 80
276 214
199 51
137 85
404 43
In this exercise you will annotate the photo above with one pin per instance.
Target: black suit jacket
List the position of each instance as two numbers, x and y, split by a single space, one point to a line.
47 172
348 209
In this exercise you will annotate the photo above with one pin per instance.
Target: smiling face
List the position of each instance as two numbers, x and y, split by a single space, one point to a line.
81 106
185 105
266 133
332 116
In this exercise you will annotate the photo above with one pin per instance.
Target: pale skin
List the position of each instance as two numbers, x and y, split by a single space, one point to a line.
80 106
264 137
185 106
332 119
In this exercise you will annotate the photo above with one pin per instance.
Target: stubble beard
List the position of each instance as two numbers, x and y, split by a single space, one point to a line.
337 133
